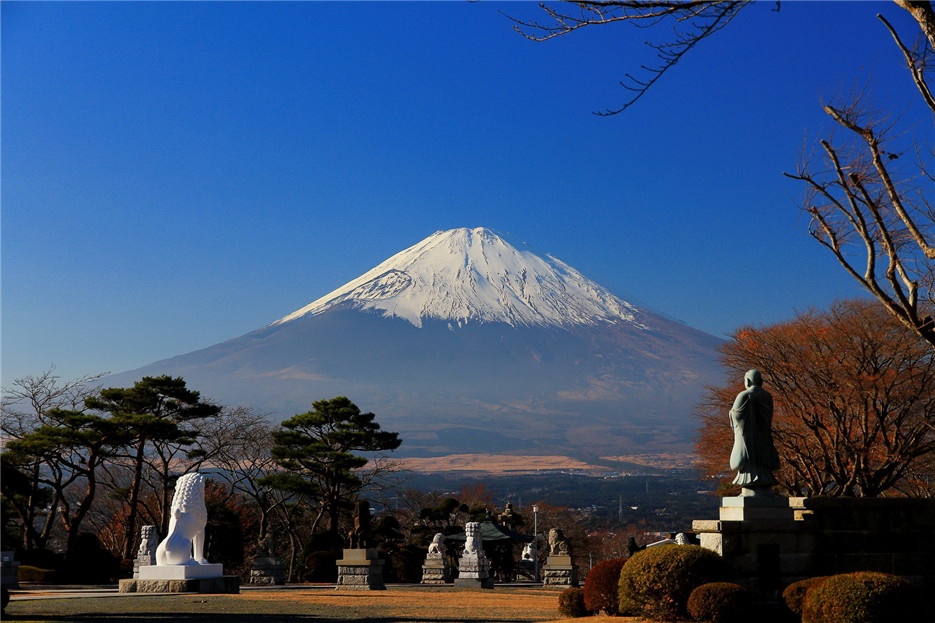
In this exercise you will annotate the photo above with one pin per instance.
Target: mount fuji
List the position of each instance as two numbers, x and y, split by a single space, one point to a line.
464 343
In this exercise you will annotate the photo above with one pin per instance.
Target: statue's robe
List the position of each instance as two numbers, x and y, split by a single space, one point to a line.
753 456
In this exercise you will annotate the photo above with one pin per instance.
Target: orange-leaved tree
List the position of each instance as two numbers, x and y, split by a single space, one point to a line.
854 397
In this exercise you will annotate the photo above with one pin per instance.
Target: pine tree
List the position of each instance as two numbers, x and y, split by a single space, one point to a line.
317 448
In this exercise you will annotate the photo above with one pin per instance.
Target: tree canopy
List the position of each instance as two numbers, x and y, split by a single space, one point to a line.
317 449
153 413
854 396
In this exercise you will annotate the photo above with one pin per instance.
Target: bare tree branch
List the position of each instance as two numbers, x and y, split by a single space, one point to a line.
691 22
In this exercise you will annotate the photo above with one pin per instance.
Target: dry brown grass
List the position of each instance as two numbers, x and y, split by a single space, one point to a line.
529 464
444 604
495 464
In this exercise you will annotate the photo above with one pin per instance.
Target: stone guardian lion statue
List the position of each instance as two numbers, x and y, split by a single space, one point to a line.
437 548
185 543
558 545
473 543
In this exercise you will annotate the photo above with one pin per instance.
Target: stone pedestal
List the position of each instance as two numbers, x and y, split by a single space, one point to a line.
474 571
181 579
267 570
229 584
181 572
361 570
759 509
559 571
764 540
435 570
9 570
772 542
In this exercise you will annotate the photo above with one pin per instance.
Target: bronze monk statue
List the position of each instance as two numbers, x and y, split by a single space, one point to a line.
753 456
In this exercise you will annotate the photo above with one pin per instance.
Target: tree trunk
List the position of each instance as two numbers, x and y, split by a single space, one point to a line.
923 13
130 541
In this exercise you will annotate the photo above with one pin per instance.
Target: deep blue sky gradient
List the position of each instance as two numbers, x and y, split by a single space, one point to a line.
178 174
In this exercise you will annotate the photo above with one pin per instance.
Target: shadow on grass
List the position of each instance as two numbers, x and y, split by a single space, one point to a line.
142 617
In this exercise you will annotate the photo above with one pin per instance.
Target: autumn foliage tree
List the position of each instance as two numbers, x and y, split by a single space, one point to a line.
854 397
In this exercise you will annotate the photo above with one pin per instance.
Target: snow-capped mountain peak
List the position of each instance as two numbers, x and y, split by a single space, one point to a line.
473 275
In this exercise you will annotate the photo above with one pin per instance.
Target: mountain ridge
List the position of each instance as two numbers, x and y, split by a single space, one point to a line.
452 380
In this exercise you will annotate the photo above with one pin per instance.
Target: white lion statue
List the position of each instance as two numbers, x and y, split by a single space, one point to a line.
473 543
186 524
437 547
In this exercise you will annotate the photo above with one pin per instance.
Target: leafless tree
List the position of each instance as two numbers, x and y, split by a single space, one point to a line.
875 214
688 24
873 211
31 402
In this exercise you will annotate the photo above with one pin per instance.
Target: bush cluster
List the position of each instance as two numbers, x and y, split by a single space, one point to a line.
601 586
656 582
794 594
720 602
571 603
862 597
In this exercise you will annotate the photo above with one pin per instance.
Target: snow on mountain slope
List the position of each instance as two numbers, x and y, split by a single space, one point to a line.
473 275
464 344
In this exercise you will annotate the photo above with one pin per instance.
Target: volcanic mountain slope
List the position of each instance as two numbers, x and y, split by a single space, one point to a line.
463 343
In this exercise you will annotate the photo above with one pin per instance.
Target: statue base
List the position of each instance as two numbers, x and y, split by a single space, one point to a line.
181 572
435 571
764 541
360 570
227 584
267 570
474 572
756 508
559 572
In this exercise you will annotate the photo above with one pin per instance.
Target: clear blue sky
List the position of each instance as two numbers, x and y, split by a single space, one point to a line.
178 174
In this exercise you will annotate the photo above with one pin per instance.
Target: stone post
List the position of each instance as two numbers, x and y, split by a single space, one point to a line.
8 570
361 570
559 571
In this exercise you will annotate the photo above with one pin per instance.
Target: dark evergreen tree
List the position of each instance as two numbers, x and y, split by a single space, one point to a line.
153 413
317 449
73 446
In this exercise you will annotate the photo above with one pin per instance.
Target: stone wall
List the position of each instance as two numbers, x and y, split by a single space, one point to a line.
890 535
769 547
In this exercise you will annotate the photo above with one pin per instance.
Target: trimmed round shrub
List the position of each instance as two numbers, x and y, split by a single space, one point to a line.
601 585
656 582
571 603
862 597
720 602
794 594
